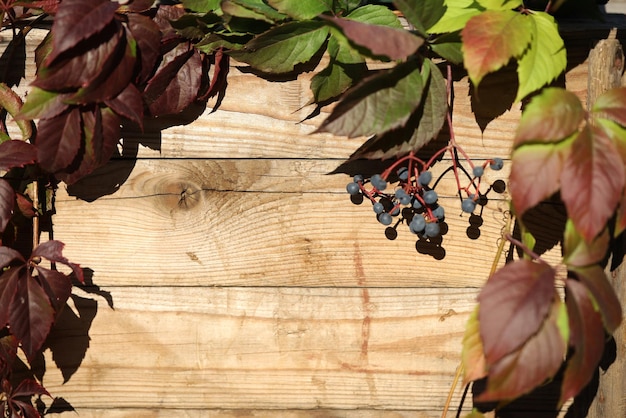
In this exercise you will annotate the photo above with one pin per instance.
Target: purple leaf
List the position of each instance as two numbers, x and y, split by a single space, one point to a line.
128 104
8 289
53 251
29 387
586 337
16 153
147 35
513 304
57 285
77 20
58 140
31 315
9 255
7 202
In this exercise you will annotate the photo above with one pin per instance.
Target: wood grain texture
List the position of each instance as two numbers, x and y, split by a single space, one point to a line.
267 348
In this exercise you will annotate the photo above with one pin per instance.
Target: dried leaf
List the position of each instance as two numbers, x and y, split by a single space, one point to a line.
513 304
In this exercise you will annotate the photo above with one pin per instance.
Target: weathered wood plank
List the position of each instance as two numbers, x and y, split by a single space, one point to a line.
252 222
268 348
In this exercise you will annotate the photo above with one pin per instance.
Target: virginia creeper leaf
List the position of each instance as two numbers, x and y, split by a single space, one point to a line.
11 102
43 104
281 48
586 337
29 387
53 251
58 140
545 58
422 14
595 280
24 205
500 4
579 253
16 153
537 360
612 105
375 15
202 6
7 201
594 176
77 20
251 9
57 285
535 173
551 116
31 315
457 14
620 221
382 41
486 41
8 351
147 35
472 357
449 47
8 255
301 9
135 6
8 288
513 304
128 104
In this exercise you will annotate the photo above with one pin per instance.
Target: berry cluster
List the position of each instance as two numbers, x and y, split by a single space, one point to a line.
413 199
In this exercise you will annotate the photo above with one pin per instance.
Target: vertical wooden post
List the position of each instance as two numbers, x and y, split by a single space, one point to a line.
606 65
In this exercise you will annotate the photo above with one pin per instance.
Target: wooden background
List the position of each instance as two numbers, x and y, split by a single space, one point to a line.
233 277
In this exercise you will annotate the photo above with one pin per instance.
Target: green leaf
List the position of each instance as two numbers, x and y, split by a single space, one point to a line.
302 9
500 4
528 240
375 15
537 360
595 177
487 41
551 116
579 253
596 281
513 304
456 16
612 105
472 357
587 339
423 125
422 14
11 102
535 173
251 9
202 6
546 57
382 41
448 46
378 104
345 67
281 48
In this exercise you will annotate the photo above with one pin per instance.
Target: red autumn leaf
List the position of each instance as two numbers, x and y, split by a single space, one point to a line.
77 20
486 41
579 253
8 288
57 285
128 104
595 280
16 153
592 181
29 387
53 251
551 116
382 41
513 304
48 6
24 205
7 202
537 360
136 6
612 104
148 37
31 315
8 255
221 68
58 140
586 337
535 174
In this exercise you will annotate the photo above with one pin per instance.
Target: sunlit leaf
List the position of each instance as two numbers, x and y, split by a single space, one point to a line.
43 104
422 14
202 6
57 285
595 178
252 9
513 304
472 356
77 20
382 41
486 41
11 103
596 281
587 339
128 104
378 104
281 48
7 201
551 116
612 105
545 58
579 253
537 360
31 315
500 4
52 250
535 173
375 15
456 16
58 140
16 153
302 9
